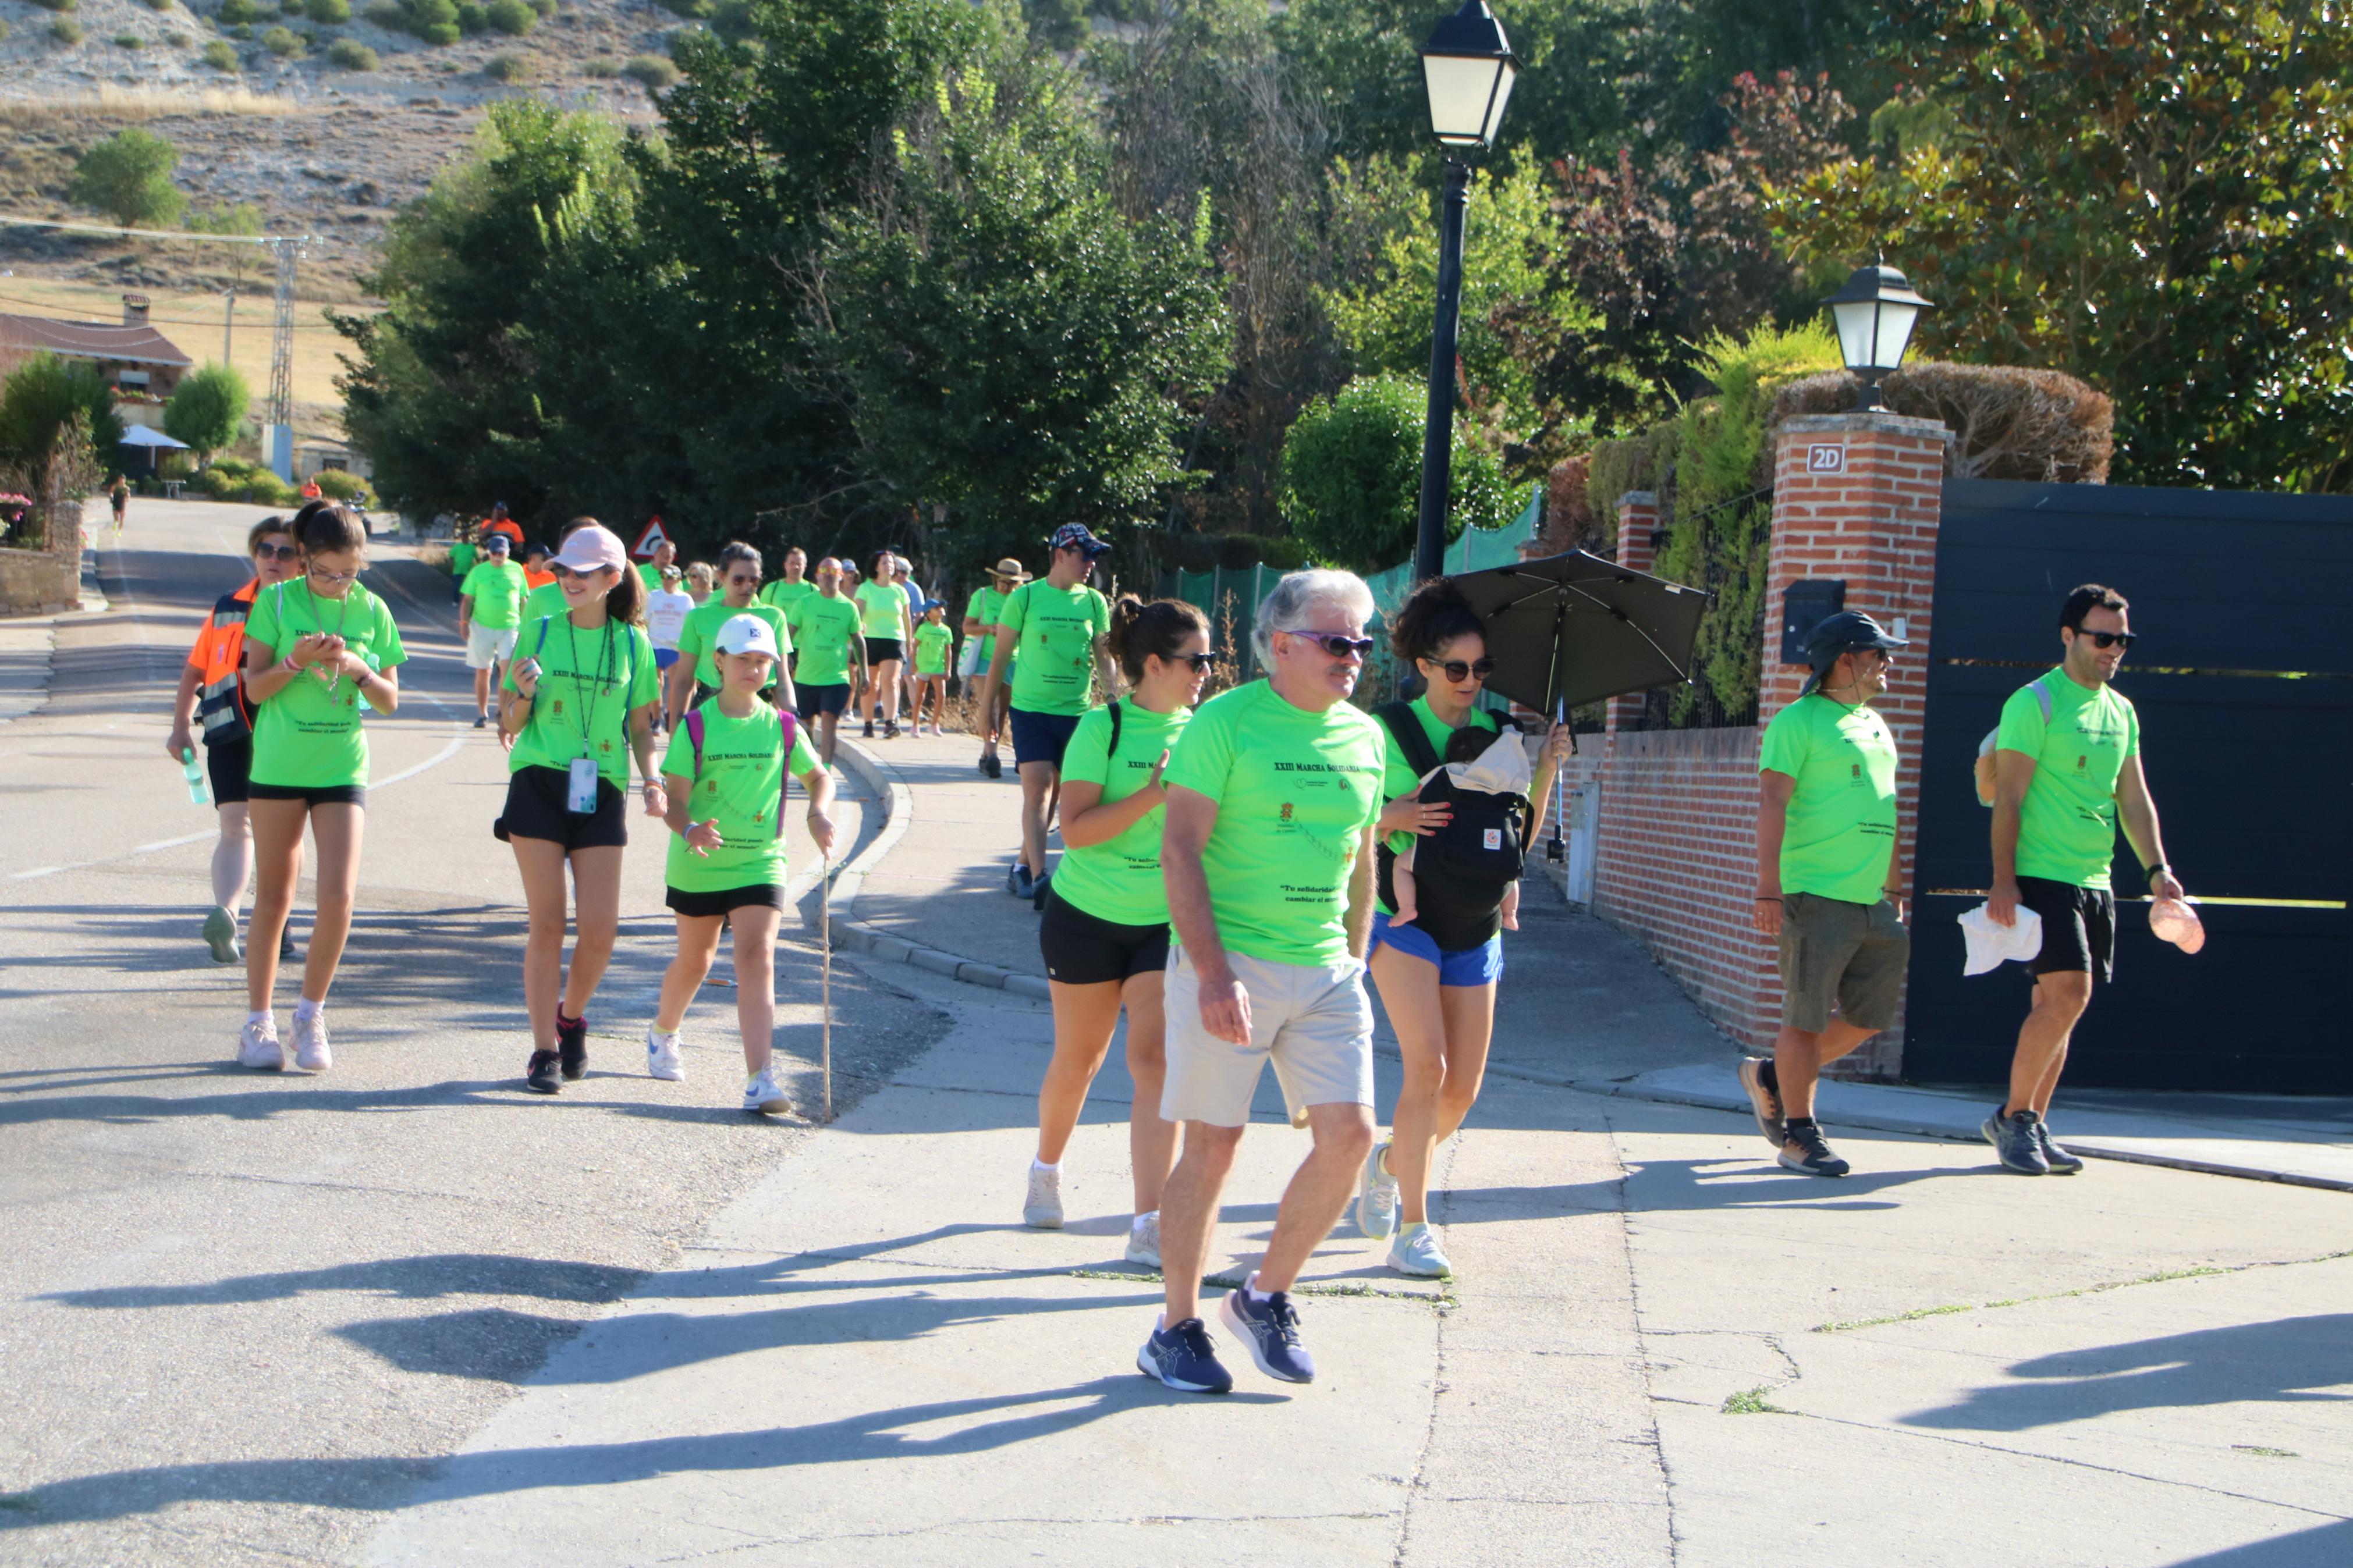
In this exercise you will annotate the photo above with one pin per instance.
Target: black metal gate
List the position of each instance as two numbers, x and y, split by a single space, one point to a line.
2243 679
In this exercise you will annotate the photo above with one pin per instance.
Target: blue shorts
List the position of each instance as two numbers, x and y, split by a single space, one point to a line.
664 657
1479 965
1042 737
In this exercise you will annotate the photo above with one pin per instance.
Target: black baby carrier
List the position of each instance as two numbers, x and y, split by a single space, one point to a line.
1461 871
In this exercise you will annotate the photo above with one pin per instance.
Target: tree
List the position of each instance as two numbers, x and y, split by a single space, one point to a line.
2151 196
57 428
1352 476
208 408
128 177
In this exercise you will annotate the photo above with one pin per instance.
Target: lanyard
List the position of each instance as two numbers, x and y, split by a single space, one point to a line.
597 687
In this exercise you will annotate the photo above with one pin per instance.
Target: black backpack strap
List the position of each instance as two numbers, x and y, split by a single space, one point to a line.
694 739
1406 727
788 732
1112 749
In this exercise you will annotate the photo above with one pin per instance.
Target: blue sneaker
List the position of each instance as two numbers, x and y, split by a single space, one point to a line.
1182 1357
1271 1329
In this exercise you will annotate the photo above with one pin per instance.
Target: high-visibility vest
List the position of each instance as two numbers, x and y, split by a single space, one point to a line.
219 658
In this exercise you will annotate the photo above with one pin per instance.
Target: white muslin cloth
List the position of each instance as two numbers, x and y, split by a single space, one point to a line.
1989 944
1501 769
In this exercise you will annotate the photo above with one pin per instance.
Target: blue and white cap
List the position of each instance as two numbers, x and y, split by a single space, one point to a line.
746 633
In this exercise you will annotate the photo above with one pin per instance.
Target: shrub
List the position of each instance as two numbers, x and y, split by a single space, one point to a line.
1351 474
389 15
2041 425
242 218
604 68
159 5
206 409
129 41
651 71
337 485
349 54
66 30
128 176
40 404
290 7
281 42
219 56
178 41
511 17
233 12
543 8
688 8
4 30
440 34
328 13
508 67
472 18
56 5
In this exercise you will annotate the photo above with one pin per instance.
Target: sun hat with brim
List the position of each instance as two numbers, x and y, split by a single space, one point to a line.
746 633
591 547
1847 631
1010 567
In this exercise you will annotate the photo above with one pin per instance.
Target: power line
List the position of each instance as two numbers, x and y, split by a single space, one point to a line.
156 233
166 321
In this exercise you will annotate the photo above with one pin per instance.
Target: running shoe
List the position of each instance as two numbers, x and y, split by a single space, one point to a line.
761 1094
1038 890
311 1053
1807 1153
286 954
2013 1138
2062 1161
1143 1240
889 729
220 934
1043 1207
482 720
870 730
1182 1357
572 1044
1019 883
1376 1198
1414 1251
542 1076
662 1057
1763 1100
991 766
1271 1329
257 1048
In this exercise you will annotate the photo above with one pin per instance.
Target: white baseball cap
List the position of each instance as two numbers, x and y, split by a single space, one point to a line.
746 634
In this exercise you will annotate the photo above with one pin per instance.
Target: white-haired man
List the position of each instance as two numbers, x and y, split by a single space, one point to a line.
1273 792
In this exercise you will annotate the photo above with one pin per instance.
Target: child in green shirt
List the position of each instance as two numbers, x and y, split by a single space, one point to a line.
934 653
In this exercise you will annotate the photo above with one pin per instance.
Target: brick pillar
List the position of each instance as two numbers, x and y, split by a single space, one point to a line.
1638 547
1857 498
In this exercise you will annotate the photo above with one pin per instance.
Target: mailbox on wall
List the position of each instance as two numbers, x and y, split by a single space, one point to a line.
1805 607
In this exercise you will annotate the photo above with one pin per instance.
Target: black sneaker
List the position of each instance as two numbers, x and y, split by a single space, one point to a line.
889 729
482 720
540 1078
1763 1100
571 1045
2062 1163
286 954
1271 1329
1807 1153
870 730
991 766
1182 1357
1019 883
1038 890
2016 1142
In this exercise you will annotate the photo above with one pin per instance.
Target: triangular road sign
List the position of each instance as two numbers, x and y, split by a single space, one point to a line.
650 541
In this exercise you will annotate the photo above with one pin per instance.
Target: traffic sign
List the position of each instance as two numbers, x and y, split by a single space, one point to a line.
651 540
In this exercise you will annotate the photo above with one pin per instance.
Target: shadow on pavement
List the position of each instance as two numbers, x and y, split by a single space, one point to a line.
2305 1549
407 1278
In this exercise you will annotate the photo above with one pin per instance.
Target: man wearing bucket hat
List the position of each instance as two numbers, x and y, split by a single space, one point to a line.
980 615
1829 881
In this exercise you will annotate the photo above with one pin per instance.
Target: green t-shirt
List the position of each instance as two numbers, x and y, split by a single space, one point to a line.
1119 879
882 609
741 787
985 606
1294 791
1841 821
1054 632
1397 778
307 736
827 630
697 638
784 595
462 557
589 684
497 589
545 602
2067 829
650 576
935 647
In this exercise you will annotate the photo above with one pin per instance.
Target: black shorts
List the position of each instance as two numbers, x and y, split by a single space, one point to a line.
2079 927
1080 949
310 795
537 809
230 763
1042 737
879 649
811 701
759 895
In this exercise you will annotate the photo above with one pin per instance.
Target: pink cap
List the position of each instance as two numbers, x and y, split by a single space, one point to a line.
592 547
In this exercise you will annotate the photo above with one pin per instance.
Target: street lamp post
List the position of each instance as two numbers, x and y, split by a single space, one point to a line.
1467 68
1875 311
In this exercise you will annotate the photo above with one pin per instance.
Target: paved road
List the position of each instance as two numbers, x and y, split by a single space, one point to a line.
342 1319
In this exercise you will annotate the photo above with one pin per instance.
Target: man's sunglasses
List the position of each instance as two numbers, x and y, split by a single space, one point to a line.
1335 645
277 551
2108 639
1455 669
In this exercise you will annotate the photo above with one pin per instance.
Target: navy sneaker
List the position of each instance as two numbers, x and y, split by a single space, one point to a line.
2062 1161
2013 1138
572 1044
1182 1357
1271 1329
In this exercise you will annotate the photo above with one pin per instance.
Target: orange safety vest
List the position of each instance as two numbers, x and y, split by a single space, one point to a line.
219 658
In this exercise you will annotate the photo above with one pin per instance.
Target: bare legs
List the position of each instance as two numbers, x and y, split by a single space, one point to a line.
277 858
883 690
1039 781
1084 1019
2059 1000
1800 1056
755 976
1319 1190
597 877
1443 1032
233 857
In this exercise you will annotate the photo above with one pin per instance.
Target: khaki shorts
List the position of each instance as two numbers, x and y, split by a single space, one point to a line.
1852 954
486 646
1313 1021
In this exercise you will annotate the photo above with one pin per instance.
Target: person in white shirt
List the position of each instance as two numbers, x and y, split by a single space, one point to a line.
666 612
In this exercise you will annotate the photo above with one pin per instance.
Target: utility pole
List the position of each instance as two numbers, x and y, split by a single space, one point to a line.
228 327
278 440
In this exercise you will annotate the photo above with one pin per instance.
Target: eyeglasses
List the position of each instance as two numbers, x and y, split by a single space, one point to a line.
1336 643
735 582
276 551
1457 670
1199 661
2109 639
318 576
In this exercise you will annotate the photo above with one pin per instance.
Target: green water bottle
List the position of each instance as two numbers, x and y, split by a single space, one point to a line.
196 774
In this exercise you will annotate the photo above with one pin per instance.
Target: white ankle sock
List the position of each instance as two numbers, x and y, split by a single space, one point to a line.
1137 1222
1256 1294
1037 1165
305 1010
262 1016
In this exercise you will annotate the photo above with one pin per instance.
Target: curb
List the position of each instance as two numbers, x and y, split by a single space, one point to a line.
849 932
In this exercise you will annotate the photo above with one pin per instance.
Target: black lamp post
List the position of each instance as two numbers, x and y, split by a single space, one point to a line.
1467 67
1875 311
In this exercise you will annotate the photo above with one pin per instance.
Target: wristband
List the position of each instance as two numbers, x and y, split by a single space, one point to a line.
2151 871
1767 898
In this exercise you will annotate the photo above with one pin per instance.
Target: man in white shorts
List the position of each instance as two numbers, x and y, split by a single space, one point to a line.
1273 790
490 606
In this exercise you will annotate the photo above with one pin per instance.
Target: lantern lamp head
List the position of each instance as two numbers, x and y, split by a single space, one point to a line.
1467 69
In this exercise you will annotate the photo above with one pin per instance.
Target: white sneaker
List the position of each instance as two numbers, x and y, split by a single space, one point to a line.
258 1048
311 1053
1376 1198
662 1058
1044 1207
1143 1240
1414 1250
762 1095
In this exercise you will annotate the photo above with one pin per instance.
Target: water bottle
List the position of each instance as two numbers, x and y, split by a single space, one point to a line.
195 773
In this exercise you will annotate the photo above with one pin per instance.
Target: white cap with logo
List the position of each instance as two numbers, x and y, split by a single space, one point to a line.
746 633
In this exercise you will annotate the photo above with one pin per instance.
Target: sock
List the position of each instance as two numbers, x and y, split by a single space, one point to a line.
1771 1079
1794 1122
1256 1294
261 1016
1137 1222
560 1017
1037 1165
305 1010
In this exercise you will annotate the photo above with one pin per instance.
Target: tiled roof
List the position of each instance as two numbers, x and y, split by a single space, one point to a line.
91 340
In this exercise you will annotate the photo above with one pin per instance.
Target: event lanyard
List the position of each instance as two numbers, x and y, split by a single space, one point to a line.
597 687
342 614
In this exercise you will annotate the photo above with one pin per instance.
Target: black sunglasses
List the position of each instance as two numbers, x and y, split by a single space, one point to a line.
1457 670
1199 661
278 552
2109 639
1335 645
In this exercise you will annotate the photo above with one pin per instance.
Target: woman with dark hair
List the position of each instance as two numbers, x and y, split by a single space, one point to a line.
1436 972
316 647
1105 933
888 624
694 679
579 702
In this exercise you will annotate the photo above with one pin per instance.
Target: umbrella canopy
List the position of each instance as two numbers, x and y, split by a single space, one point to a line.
140 436
1570 629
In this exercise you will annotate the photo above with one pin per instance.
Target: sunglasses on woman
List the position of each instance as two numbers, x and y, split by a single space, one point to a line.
1456 671
1338 646
276 551
1199 661
2109 639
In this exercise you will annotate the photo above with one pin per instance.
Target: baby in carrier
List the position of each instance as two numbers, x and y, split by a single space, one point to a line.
1479 763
